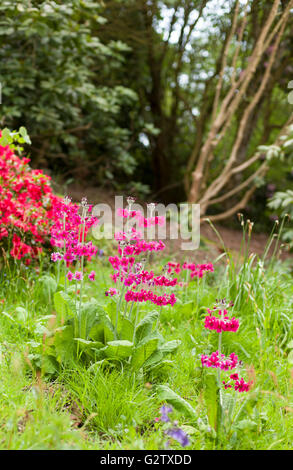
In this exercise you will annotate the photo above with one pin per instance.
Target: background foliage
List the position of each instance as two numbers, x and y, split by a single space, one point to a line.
58 80
120 93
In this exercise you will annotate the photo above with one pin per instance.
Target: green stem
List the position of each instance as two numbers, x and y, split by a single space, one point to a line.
130 311
81 282
58 273
219 370
186 282
220 394
64 251
118 309
135 324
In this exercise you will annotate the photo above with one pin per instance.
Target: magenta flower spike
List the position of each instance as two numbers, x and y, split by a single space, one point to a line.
218 320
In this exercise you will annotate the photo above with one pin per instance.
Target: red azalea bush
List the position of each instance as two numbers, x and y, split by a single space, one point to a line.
26 207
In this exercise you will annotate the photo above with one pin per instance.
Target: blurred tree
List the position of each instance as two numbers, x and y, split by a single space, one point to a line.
154 68
57 81
204 84
241 100
211 78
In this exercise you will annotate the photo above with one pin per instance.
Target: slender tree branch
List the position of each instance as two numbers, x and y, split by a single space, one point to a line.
239 39
240 205
221 180
260 171
224 60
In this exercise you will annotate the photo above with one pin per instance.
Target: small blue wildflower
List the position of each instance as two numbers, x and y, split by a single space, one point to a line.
178 435
164 412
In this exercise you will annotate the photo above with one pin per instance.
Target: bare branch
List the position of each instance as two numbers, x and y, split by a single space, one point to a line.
224 60
240 205
219 182
239 39
246 164
228 107
259 172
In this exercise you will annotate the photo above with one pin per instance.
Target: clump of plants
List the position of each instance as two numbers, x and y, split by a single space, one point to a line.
118 331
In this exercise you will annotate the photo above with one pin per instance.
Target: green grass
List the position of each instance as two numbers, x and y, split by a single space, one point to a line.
111 408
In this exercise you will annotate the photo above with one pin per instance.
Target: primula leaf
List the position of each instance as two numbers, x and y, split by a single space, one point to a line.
156 366
49 364
102 330
87 317
166 394
144 328
170 346
49 284
85 344
22 314
64 343
144 350
118 349
154 359
212 399
64 305
110 309
125 329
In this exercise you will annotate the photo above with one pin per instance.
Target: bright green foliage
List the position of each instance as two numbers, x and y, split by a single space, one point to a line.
88 334
212 400
115 407
168 395
282 201
9 138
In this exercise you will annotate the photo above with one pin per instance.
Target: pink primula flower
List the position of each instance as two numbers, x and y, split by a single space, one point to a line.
92 275
69 276
78 276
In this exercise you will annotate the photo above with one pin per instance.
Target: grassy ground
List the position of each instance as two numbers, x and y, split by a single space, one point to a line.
113 408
